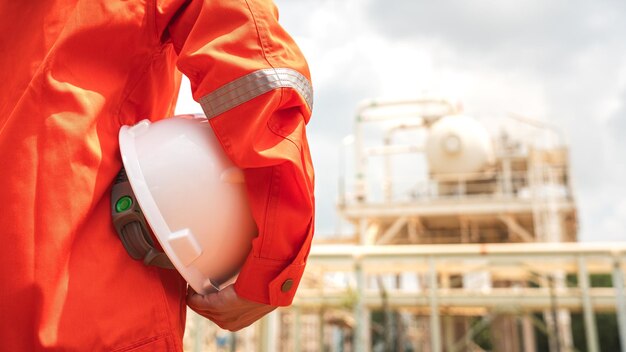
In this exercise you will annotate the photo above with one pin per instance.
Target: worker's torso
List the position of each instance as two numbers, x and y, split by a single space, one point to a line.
71 73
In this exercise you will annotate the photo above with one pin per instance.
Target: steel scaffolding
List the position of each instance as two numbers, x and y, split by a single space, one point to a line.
515 263
339 269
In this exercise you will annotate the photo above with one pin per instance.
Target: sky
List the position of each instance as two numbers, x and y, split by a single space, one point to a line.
562 62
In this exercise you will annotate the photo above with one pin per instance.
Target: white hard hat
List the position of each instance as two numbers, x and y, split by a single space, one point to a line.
192 196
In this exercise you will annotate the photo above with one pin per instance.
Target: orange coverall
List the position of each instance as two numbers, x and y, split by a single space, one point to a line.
73 72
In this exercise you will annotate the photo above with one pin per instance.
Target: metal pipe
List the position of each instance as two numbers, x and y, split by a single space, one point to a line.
387 315
320 329
359 310
199 332
555 341
541 125
435 326
528 334
233 341
389 149
296 328
448 332
267 331
359 163
535 300
274 330
528 250
620 303
469 206
261 332
447 108
588 315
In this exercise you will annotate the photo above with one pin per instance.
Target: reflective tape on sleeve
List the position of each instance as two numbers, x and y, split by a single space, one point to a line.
251 86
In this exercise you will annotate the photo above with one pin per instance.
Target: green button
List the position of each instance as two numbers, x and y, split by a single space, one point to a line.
123 204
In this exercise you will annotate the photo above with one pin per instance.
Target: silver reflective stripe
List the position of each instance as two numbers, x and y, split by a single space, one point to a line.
252 85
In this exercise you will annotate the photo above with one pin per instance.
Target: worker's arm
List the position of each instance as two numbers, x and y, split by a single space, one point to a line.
253 84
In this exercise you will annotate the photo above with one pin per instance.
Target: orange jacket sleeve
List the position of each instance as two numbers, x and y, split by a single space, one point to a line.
254 85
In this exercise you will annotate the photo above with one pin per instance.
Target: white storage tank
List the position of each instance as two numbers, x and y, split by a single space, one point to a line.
458 144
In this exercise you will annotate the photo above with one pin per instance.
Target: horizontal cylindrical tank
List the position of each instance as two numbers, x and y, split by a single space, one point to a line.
458 144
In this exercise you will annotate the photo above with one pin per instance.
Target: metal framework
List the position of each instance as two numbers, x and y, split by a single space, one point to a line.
347 286
521 263
448 258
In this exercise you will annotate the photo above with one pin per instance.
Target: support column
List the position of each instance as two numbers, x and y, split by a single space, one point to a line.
199 335
589 317
448 320
233 341
267 332
528 334
435 326
261 334
448 331
320 331
361 340
564 319
296 332
618 284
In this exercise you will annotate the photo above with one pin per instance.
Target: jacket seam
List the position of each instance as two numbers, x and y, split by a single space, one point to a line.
164 306
260 33
132 84
141 343
153 19
273 196
270 212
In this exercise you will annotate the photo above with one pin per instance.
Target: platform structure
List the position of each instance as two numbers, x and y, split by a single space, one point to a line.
335 300
458 233
437 282
516 191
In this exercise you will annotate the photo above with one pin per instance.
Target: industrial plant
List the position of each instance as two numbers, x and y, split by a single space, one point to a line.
457 234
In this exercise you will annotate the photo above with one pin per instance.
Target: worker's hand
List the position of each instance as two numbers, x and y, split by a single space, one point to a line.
226 309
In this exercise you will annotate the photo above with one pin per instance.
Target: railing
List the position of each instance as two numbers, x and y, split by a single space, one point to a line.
449 280
491 185
530 272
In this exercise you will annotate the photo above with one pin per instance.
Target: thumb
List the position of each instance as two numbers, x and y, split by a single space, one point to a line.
206 301
195 299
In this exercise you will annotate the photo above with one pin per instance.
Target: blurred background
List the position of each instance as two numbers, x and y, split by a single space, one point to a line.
469 179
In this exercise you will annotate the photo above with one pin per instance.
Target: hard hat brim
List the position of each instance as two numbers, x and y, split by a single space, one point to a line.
153 214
